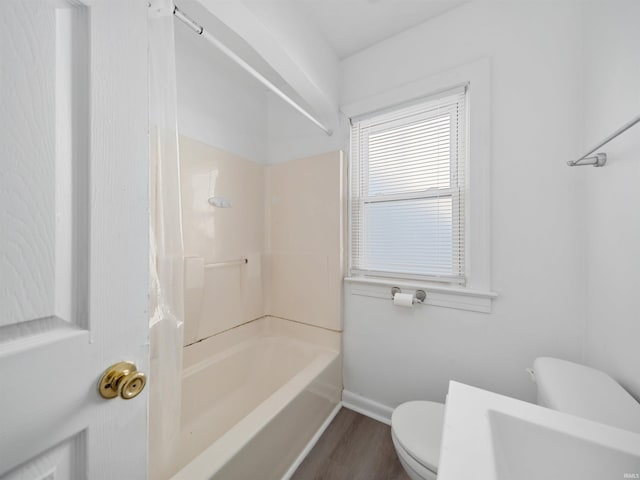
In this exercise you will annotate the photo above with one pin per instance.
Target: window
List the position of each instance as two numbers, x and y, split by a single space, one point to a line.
408 191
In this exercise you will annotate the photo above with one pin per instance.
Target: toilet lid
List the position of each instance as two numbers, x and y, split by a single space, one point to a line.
417 426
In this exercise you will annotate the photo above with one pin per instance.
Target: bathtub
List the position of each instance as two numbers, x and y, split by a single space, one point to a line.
253 397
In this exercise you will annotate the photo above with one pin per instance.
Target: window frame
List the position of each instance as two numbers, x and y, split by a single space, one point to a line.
455 191
476 294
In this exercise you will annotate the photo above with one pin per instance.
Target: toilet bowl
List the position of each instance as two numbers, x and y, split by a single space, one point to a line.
416 431
416 427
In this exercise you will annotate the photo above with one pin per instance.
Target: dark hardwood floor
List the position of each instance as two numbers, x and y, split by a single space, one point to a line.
353 447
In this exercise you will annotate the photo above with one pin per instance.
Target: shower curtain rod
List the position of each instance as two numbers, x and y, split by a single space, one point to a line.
199 29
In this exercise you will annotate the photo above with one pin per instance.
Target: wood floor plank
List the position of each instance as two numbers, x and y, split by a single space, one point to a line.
353 447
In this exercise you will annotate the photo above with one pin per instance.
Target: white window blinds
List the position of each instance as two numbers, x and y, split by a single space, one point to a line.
407 191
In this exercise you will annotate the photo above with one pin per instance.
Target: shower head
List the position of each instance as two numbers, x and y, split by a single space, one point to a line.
220 202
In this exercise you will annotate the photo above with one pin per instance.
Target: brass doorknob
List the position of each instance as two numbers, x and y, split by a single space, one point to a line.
123 379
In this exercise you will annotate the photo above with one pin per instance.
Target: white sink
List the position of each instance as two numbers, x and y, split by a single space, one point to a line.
492 437
519 446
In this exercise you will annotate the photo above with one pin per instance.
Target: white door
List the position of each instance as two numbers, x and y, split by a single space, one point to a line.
73 236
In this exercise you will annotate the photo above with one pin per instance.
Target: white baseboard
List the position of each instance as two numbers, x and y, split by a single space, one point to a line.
367 407
294 466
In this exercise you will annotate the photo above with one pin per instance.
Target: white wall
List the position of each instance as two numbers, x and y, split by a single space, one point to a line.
223 106
612 97
536 209
218 103
303 43
292 136
280 33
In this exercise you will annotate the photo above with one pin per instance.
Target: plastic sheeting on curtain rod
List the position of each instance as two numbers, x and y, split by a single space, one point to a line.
166 253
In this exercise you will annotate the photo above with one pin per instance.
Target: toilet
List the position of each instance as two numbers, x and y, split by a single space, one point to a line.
416 426
416 431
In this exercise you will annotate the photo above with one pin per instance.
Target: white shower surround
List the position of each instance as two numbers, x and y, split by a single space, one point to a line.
257 389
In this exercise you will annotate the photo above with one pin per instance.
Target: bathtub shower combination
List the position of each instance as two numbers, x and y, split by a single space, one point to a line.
247 284
253 397
261 362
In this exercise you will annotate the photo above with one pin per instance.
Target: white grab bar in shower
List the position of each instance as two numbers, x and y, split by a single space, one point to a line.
239 261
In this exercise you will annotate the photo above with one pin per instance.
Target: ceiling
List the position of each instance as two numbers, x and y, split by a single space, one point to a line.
353 25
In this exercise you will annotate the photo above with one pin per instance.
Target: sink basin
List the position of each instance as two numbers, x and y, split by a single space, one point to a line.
529 451
488 436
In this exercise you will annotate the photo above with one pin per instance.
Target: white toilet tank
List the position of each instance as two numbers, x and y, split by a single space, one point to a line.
586 392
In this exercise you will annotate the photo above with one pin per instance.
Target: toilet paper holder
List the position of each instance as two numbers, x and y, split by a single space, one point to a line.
418 297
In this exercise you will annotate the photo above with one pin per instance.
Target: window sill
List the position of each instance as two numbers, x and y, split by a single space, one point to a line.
437 295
